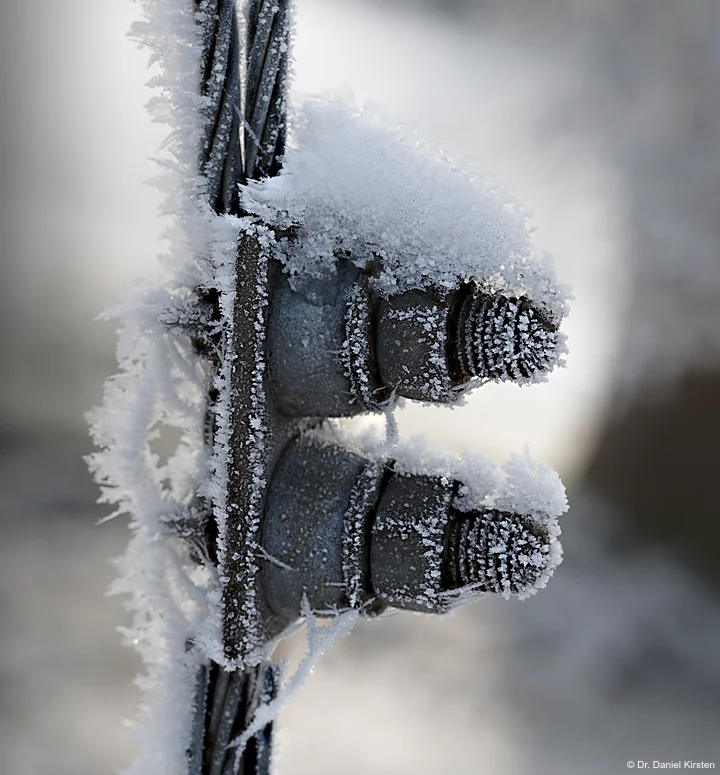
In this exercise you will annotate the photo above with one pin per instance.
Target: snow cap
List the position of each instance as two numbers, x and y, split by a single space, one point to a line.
354 186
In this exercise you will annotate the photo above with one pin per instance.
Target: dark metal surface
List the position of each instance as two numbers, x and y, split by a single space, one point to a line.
351 350
244 89
305 346
221 153
265 108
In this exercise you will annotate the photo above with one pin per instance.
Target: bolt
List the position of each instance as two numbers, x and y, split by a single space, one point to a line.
346 531
352 349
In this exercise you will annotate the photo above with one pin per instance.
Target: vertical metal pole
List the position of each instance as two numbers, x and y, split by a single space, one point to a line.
245 114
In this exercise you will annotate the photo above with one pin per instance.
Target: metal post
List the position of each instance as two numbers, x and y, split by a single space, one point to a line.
245 111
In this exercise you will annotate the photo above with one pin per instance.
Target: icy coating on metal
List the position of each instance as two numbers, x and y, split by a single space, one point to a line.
246 452
355 562
357 353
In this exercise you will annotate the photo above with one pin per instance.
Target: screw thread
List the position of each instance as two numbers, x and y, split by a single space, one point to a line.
495 551
504 338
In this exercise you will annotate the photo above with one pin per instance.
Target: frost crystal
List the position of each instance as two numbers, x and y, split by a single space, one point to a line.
510 512
508 339
362 499
356 353
163 383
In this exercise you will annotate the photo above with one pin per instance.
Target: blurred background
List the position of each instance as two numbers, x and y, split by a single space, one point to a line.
603 117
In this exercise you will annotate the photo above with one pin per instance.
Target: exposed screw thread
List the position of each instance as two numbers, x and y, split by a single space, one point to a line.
494 551
504 338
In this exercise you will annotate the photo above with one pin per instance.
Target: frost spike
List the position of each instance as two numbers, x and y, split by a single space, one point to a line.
382 537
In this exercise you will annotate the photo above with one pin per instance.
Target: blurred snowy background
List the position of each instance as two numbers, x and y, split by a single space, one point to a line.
603 116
